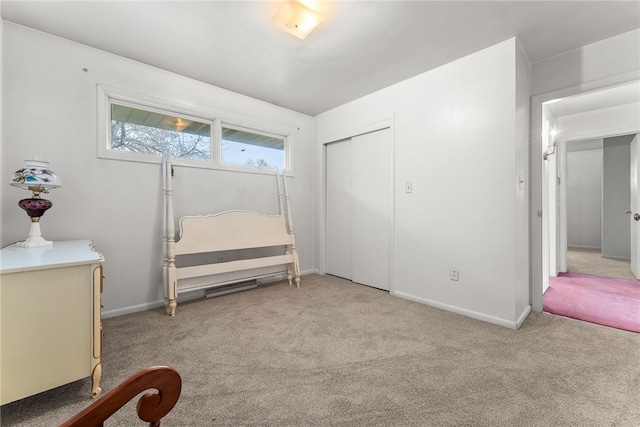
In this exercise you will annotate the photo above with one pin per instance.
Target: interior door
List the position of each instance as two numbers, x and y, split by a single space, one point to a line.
339 209
359 209
372 196
635 206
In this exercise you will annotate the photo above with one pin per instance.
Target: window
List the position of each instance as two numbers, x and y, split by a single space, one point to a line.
153 132
143 129
244 148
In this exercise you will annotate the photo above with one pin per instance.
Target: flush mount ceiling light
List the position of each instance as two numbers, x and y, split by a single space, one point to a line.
296 18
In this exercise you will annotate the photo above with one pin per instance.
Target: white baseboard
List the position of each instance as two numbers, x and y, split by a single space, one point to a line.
150 305
106 314
283 276
584 247
187 296
469 313
523 316
621 258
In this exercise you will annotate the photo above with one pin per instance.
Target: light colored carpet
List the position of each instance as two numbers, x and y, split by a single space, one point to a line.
333 353
590 261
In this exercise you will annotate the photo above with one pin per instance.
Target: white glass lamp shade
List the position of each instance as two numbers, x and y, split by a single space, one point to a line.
35 176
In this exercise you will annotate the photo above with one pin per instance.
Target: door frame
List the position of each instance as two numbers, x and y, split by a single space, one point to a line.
539 215
366 126
634 171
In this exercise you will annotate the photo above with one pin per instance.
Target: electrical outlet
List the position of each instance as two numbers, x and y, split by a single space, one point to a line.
454 274
408 187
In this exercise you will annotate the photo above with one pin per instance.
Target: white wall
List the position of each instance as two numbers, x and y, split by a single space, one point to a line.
610 57
523 100
50 110
584 197
458 137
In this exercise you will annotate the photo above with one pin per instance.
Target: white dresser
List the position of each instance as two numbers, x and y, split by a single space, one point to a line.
50 326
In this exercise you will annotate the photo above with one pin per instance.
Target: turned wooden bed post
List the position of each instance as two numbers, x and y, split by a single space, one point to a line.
290 270
165 261
171 290
280 197
289 219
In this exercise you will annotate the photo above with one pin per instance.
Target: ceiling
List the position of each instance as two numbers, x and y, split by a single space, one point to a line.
359 47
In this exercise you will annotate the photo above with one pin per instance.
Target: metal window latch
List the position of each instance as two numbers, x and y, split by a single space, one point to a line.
636 216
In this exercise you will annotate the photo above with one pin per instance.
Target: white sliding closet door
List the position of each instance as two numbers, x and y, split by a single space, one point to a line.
371 184
359 240
339 209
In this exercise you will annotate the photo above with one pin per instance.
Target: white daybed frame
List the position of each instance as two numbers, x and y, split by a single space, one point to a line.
226 231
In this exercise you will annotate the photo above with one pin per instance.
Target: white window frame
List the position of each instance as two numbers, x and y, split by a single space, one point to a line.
227 125
107 95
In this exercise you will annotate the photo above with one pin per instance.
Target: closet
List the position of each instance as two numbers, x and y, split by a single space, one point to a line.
360 208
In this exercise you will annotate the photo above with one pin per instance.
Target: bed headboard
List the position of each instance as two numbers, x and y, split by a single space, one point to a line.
231 230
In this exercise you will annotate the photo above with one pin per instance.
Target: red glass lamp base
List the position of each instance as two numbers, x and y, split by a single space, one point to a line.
35 208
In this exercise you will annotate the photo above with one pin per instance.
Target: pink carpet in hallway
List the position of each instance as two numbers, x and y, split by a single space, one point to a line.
602 300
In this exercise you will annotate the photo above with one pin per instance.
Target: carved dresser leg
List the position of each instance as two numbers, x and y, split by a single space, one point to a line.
95 380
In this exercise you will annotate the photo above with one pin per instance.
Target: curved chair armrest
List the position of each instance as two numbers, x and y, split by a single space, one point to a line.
152 406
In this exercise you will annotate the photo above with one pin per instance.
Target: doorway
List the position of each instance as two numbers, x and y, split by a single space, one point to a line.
586 149
542 145
594 231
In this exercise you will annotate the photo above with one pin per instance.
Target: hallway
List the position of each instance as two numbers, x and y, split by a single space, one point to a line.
589 261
